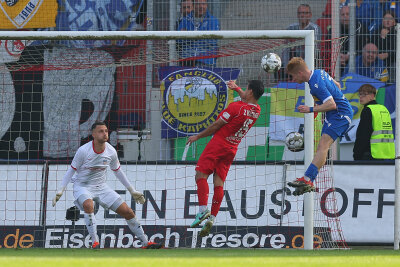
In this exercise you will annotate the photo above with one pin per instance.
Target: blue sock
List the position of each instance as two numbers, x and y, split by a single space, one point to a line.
311 172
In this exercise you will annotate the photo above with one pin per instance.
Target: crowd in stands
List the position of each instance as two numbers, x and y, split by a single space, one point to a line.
374 56
375 37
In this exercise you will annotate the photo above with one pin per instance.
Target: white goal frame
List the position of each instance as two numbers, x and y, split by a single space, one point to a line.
397 143
307 35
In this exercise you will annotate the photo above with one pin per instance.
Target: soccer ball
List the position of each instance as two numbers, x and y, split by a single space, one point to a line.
294 142
271 62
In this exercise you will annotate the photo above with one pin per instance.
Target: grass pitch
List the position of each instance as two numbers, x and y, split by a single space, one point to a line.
196 257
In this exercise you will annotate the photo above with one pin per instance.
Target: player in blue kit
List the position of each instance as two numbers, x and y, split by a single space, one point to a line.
329 99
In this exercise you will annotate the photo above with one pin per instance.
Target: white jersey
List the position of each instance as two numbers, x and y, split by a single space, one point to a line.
91 166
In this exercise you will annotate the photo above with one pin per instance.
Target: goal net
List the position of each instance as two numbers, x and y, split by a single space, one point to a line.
153 90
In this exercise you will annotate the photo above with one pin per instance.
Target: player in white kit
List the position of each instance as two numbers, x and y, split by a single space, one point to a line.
90 164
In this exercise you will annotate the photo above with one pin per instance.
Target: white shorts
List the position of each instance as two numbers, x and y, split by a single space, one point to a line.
102 194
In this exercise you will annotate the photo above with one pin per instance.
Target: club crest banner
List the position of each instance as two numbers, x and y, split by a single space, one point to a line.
193 98
27 14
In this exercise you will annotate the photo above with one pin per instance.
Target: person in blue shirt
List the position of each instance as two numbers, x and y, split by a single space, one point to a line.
199 52
369 65
329 99
371 12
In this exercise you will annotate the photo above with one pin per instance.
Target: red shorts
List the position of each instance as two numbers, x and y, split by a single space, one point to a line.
216 159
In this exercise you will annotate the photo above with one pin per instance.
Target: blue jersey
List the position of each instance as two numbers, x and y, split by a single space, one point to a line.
323 88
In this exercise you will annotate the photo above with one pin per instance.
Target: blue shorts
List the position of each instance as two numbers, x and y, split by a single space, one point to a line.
336 126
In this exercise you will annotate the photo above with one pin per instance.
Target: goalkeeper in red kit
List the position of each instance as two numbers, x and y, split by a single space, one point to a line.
230 127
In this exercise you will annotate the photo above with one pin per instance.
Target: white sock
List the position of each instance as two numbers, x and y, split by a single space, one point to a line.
202 208
137 230
91 225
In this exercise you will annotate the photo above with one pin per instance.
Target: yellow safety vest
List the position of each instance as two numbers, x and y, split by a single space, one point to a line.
382 139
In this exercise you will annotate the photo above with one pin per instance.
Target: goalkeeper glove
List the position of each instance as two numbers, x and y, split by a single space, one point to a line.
58 196
137 196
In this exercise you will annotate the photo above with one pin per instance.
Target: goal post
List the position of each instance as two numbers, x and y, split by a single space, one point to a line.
309 147
107 65
156 35
396 222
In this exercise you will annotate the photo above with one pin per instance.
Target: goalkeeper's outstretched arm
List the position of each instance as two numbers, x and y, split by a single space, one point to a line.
67 178
137 196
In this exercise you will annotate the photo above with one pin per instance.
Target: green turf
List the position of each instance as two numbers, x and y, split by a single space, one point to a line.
196 257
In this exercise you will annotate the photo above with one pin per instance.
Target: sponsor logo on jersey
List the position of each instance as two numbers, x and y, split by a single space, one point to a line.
226 115
192 99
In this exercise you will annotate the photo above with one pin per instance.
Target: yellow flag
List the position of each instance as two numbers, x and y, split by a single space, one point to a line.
27 14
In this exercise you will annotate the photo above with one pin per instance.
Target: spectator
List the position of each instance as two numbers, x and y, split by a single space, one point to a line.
381 8
344 32
368 12
202 51
186 7
326 32
304 16
324 24
325 21
368 64
393 6
386 39
374 137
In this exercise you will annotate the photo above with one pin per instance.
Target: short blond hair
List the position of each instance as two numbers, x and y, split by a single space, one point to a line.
295 64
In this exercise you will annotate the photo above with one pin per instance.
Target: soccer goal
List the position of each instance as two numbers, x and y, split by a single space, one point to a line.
153 89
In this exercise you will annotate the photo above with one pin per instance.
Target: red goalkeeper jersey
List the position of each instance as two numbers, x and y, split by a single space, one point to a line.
240 117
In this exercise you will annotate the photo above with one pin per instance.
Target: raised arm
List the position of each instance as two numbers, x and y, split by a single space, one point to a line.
233 86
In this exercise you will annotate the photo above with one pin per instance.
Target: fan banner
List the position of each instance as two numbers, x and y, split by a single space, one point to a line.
286 97
193 98
11 50
285 118
28 14
100 15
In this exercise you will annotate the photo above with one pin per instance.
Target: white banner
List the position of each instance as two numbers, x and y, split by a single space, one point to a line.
253 197
366 200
